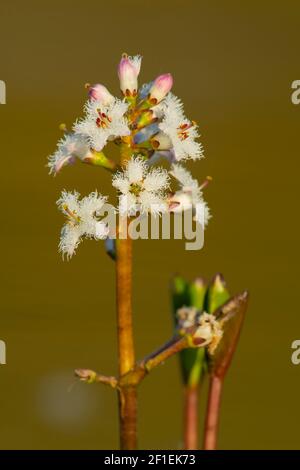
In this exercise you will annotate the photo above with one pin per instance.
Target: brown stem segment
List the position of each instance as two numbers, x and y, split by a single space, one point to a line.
128 416
126 356
213 413
131 377
127 396
190 418
124 309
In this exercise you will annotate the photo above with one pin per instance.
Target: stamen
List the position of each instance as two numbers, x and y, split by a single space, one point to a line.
182 130
62 127
103 120
135 188
72 215
206 182
155 143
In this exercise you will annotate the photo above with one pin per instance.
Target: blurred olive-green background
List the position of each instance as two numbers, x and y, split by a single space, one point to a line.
233 64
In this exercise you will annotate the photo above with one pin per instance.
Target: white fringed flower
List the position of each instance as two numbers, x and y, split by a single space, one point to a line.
189 196
70 147
82 220
103 122
142 188
179 132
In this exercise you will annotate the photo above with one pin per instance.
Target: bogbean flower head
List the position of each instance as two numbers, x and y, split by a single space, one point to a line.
146 124
141 188
82 220
149 121
189 196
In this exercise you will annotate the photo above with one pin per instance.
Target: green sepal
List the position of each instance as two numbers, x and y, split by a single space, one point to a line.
144 119
100 159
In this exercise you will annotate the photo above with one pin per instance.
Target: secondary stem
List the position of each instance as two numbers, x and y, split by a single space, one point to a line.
213 413
190 417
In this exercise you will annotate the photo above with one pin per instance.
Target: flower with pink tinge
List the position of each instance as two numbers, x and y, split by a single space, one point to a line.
100 93
160 88
189 196
128 71
71 147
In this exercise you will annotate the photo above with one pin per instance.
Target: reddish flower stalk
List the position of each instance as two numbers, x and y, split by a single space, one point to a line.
190 417
213 413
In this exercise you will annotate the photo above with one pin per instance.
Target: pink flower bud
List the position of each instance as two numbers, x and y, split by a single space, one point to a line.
161 86
100 93
128 71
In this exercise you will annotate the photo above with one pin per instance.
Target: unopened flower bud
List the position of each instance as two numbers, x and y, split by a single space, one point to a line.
180 201
161 86
100 93
86 375
128 71
161 141
145 134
